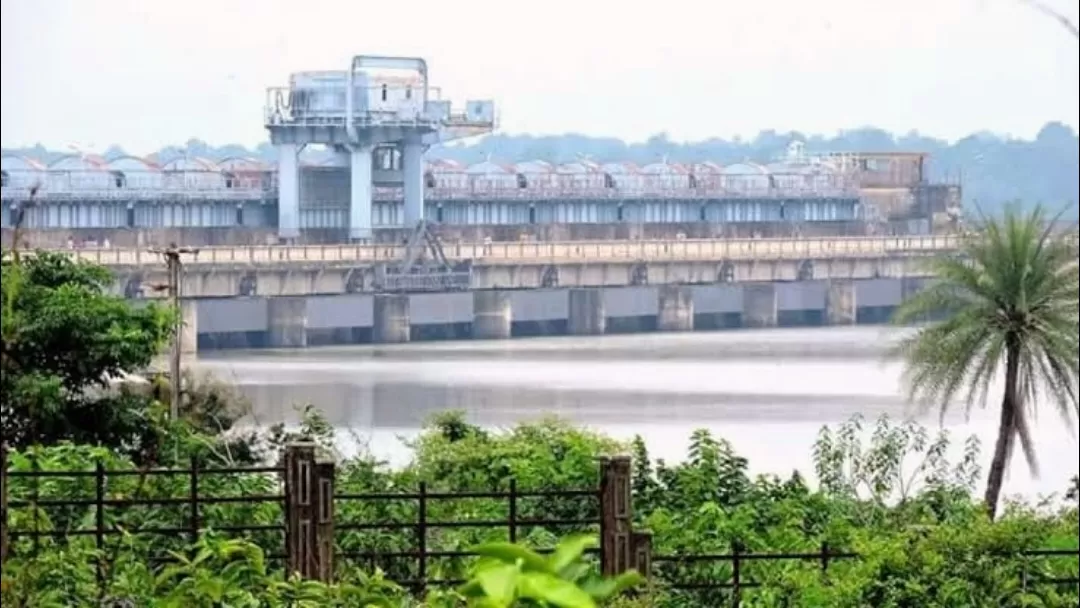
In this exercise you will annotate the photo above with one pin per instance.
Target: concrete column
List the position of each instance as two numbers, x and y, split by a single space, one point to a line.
412 173
189 333
360 193
759 305
586 312
841 307
492 315
288 191
676 308
287 322
391 319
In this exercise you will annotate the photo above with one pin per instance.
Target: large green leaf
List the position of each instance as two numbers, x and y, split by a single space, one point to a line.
545 587
500 583
511 553
569 551
603 589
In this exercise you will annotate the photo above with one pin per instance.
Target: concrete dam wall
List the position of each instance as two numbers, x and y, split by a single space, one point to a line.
300 321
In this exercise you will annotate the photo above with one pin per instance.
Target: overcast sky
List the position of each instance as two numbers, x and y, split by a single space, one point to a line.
145 73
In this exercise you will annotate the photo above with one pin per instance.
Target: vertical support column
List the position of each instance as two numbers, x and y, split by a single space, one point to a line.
759 305
641 553
492 315
675 308
324 526
412 173
288 191
586 312
309 513
616 516
286 319
360 162
841 307
189 331
391 319
3 505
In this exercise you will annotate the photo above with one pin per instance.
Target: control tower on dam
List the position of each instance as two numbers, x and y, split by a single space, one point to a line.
379 115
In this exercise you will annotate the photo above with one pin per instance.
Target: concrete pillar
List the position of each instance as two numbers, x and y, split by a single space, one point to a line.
492 315
360 160
759 305
841 307
288 191
586 313
287 322
676 308
391 319
189 333
412 173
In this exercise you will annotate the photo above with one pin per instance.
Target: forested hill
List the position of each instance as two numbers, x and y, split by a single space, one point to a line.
992 169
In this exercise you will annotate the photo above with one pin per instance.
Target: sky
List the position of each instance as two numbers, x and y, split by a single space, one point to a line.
142 74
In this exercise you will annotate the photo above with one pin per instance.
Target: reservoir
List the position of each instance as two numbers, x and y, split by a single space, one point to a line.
768 392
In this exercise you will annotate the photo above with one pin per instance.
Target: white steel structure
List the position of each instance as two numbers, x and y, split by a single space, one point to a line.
382 123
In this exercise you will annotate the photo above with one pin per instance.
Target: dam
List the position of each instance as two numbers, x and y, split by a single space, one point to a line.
296 296
300 321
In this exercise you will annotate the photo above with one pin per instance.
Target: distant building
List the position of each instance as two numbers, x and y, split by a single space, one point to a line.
885 192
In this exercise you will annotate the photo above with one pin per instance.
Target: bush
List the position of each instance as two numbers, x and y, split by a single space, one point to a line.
922 538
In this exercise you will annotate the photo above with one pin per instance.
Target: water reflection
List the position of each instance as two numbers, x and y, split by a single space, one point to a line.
768 391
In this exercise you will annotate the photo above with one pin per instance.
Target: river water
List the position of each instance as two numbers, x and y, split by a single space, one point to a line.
768 392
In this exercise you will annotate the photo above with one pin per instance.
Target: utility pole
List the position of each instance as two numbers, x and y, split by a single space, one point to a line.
174 273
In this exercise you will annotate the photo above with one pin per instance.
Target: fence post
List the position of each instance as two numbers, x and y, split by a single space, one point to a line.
99 523
736 574
512 508
3 505
421 539
309 513
825 560
193 500
616 515
324 531
641 547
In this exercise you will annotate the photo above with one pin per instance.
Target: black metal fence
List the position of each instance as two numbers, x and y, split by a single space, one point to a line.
422 551
310 523
824 557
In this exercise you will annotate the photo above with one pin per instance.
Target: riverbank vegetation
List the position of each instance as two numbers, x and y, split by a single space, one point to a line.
892 519
922 537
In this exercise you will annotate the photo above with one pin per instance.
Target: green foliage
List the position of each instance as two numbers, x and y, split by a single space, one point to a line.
891 495
1010 300
511 575
64 338
213 573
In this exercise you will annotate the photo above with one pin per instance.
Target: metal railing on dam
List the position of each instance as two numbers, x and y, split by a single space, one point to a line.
568 252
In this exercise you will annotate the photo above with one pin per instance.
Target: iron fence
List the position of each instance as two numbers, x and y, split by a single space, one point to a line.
825 557
301 502
424 550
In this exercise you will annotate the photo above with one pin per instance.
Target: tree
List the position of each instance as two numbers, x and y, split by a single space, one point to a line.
64 338
1009 302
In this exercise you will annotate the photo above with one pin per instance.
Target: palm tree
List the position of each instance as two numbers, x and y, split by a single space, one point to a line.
1009 302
